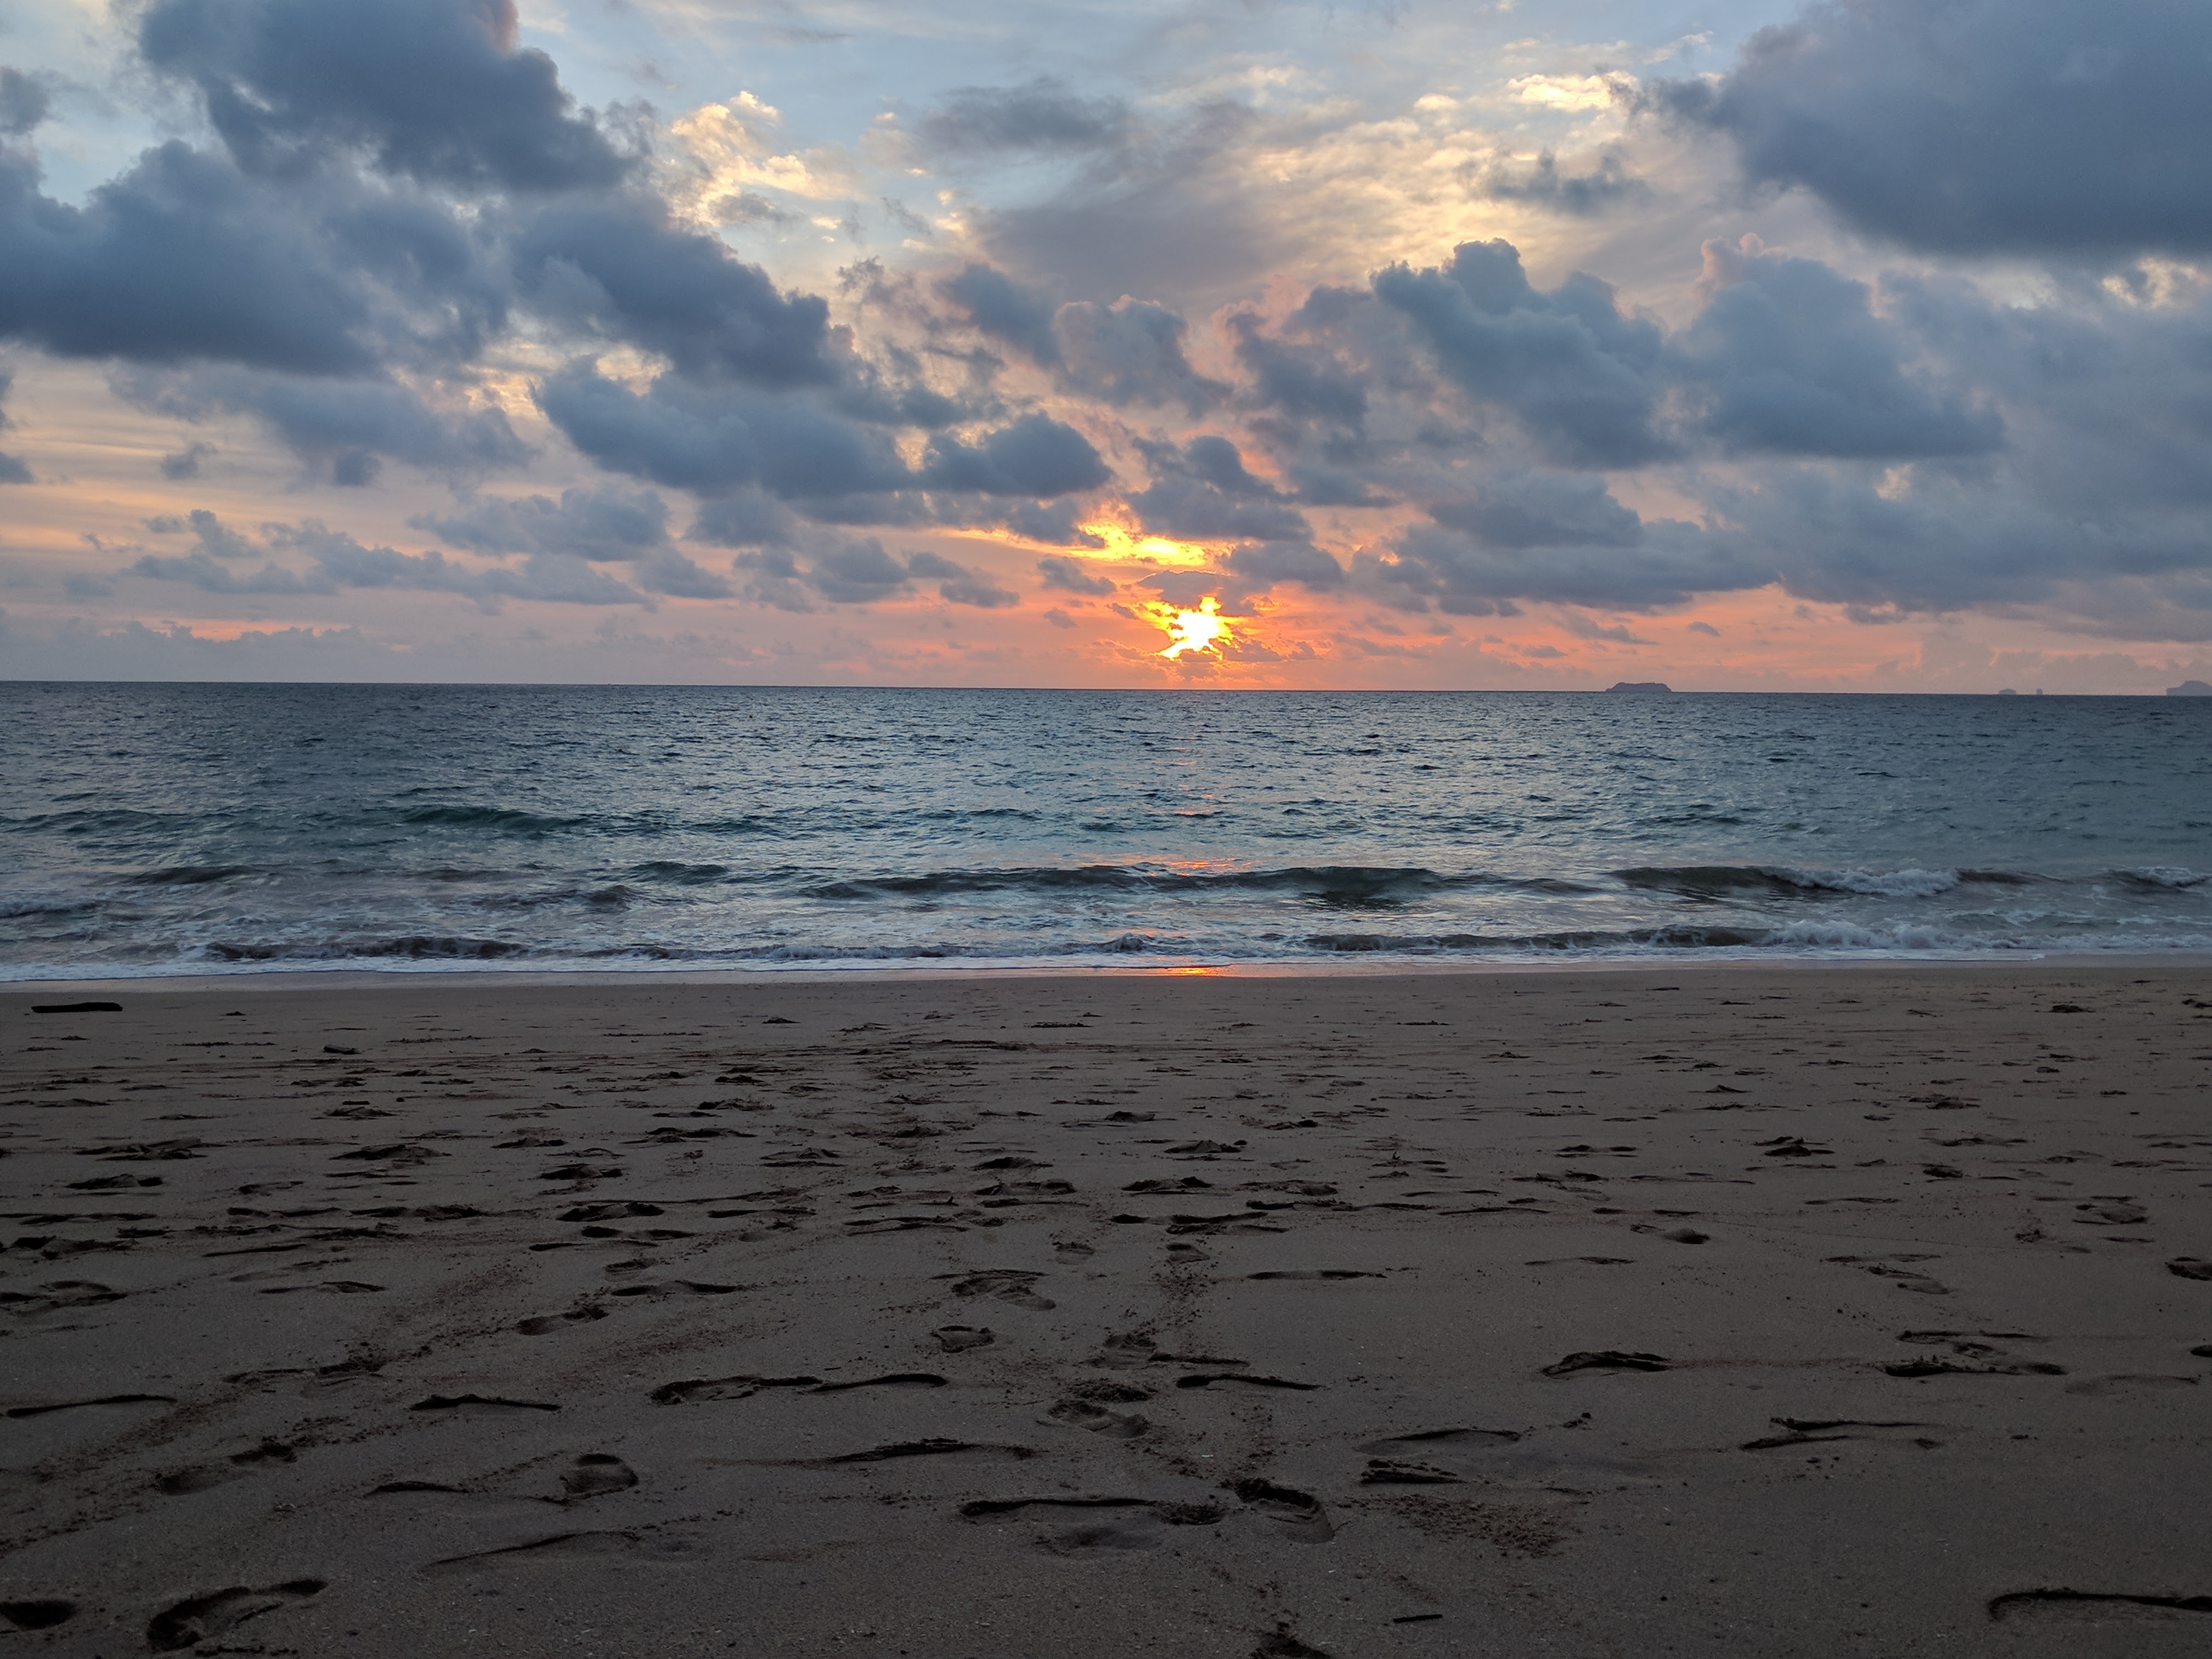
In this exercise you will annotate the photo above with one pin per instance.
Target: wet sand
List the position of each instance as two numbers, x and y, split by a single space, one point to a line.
1701 1311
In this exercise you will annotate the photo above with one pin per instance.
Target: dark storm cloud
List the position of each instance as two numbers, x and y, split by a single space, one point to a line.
1131 352
1069 576
621 268
1302 381
1466 575
1043 114
1541 510
1262 564
341 428
713 439
862 573
183 256
716 439
1034 456
957 585
1000 307
1584 380
1606 186
597 526
605 524
432 89
749 518
1792 361
24 102
1058 524
1982 126
1202 491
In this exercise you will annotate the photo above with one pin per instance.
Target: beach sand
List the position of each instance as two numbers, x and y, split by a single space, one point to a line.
1708 1311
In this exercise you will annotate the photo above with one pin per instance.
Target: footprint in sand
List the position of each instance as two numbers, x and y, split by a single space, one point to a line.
546 1324
41 1614
959 1338
236 1467
1119 1523
1006 1284
593 1474
1295 1514
1607 1359
1088 1414
191 1622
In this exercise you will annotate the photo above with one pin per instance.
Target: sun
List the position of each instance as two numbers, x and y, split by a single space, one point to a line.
1202 629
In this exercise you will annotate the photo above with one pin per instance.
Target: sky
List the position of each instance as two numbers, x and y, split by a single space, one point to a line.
1523 344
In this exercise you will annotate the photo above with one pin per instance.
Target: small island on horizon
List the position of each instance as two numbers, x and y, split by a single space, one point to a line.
1641 688
2190 688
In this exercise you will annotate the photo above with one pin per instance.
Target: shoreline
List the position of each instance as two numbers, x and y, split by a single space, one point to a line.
362 979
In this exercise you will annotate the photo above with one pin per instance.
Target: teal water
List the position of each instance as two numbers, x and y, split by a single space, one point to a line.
183 829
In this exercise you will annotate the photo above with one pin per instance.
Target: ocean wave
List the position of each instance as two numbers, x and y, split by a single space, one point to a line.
1732 880
1351 884
23 910
413 947
189 875
2163 878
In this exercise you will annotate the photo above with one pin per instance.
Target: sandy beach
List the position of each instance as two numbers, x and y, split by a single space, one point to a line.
1702 1311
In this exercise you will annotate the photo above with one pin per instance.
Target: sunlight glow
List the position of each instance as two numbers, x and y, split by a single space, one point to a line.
1122 543
1202 629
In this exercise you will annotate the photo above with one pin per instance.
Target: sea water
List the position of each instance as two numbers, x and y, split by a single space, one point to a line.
150 829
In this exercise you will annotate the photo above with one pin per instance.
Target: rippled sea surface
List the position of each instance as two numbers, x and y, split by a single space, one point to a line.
152 829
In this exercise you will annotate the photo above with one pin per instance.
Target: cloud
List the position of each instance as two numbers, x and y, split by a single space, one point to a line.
1606 186
1002 309
342 428
24 102
718 438
216 539
183 463
211 576
1262 564
1519 510
431 89
1202 492
12 468
1069 576
957 585
1793 361
184 256
622 269
1035 455
862 573
1582 378
608 523
337 560
1043 114
595 525
1131 352
1980 126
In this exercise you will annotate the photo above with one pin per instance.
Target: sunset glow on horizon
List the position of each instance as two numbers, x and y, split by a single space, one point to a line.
1466 352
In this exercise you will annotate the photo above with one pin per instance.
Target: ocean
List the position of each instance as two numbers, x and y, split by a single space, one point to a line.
161 830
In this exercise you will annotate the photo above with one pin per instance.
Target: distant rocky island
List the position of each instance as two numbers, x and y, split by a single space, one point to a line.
2186 689
1647 688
